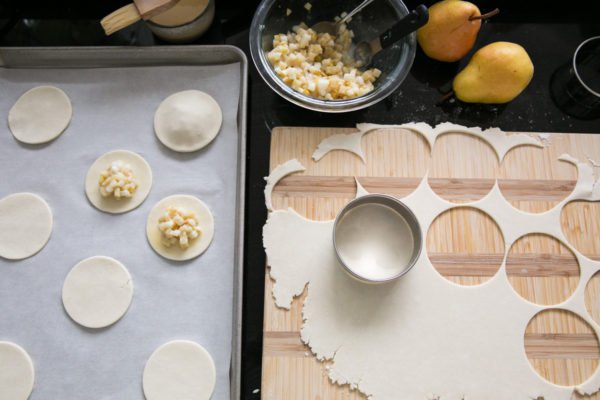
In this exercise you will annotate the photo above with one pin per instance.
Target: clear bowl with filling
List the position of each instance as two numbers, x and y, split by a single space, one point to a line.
184 22
275 17
377 238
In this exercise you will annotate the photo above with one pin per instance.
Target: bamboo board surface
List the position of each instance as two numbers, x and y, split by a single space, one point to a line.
461 168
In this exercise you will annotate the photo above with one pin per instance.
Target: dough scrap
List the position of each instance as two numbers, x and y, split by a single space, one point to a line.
459 343
341 141
179 370
499 140
187 121
16 372
97 292
40 115
360 190
25 225
287 168
187 204
141 172
587 187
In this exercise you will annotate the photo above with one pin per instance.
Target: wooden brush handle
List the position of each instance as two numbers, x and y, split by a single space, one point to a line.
151 8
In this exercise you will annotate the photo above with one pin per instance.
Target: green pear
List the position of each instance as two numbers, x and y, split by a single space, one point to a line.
496 74
451 30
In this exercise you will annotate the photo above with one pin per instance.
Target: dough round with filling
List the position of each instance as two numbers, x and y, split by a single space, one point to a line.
188 204
16 372
141 172
40 115
179 370
25 225
187 121
97 292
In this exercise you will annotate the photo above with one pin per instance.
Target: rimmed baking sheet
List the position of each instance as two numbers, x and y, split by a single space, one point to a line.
115 92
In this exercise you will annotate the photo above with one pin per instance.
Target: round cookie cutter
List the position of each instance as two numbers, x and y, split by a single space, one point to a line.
395 205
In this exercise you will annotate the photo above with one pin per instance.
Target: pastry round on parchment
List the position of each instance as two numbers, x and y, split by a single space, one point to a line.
16 372
187 121
142 174
188 204
179 370
40 115
25 225
97 292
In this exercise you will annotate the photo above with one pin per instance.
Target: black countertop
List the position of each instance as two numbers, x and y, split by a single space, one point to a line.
549 32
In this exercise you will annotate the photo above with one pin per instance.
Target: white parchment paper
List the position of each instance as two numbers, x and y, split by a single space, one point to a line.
114 109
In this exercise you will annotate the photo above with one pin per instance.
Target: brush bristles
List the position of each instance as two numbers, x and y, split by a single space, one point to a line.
120 18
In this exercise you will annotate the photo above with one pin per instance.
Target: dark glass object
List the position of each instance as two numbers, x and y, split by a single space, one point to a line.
575 86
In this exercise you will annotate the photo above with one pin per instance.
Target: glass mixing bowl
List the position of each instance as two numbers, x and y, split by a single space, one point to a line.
394 62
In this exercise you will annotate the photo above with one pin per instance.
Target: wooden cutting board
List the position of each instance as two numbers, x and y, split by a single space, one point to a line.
462 168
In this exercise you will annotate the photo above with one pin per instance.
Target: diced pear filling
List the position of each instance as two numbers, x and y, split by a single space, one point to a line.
117 181
177 226
319 64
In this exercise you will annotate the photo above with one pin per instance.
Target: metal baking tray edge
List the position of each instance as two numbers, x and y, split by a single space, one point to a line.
125 56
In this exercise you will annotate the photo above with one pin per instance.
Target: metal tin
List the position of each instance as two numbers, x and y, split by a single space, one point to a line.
127 56
188 31
393 204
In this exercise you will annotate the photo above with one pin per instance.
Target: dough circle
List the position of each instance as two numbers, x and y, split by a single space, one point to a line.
187 121
25 225
97 292
16 372
187 204
40 115
179 370
141 172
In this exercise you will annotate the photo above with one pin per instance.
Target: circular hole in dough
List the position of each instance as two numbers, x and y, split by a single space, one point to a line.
537 173
457 251
188 204
179 370
97 292
141 172
541 269
40 115
561 347
579 223
455 174
25 225
16 372
187 121
592 297
394 141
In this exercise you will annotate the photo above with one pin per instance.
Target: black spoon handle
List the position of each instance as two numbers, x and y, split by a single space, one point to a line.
413 21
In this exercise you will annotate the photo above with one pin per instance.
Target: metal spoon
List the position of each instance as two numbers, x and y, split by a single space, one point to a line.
332 27
364 51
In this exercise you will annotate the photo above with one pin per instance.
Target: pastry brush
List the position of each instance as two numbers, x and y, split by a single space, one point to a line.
139 9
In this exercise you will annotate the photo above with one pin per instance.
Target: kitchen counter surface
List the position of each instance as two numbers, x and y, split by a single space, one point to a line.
550 35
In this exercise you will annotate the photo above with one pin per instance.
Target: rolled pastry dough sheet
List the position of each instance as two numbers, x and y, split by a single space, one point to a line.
40 115
97 292
141 172
25 225
179 370
187 204
16 372
391 343
187 121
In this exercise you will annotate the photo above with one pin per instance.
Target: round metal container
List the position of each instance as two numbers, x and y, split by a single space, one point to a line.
188 31
385 223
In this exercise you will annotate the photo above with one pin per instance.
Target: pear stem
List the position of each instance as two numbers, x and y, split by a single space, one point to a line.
445 97
485 16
